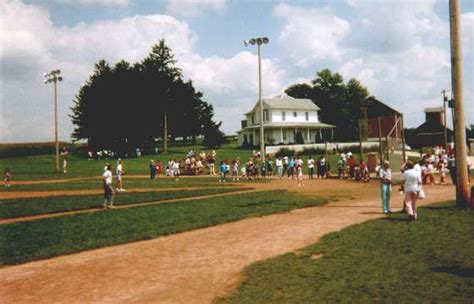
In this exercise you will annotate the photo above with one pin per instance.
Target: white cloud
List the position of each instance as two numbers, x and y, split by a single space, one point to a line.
34 45
394 26
94 2
310 35
467 32
194 8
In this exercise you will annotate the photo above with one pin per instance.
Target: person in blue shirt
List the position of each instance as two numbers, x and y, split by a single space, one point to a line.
291 168
223 168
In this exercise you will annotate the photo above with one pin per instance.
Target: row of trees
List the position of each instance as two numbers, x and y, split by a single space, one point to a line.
128 106
342 104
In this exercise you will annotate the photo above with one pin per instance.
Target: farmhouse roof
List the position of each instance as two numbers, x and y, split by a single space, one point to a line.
285 102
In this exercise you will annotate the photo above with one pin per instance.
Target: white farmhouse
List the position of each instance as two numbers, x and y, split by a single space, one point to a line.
284 117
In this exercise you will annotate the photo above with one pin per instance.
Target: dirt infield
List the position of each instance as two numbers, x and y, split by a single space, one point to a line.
195 266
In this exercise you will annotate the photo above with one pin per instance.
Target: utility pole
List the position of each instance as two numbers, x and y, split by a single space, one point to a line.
462 189
380 140
404 155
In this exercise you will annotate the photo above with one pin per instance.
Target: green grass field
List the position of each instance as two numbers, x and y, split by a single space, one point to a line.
382 261
128 183
44 238
53 204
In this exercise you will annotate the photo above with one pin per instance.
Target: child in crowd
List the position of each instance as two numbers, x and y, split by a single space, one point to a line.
223 168
176 171
152 169
442 171
235 170
341 168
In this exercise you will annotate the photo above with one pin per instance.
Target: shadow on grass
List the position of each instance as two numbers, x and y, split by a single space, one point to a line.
467 272
396 219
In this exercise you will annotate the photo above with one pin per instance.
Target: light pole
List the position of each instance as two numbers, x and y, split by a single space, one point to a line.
259 41
54 77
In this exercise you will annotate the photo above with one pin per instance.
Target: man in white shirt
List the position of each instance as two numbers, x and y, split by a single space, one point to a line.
119 172
310 167
108 190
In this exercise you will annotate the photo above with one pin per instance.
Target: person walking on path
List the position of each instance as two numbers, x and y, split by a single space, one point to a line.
152 169
119 172
412 186
108 190
310 167
385 175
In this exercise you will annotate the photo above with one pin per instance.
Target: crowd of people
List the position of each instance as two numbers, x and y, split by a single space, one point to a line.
417 174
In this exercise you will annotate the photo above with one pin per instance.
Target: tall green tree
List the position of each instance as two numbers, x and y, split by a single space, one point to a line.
340 103
124 107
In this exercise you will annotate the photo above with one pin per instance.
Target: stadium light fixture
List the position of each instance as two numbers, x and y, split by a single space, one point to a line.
259 41
54 77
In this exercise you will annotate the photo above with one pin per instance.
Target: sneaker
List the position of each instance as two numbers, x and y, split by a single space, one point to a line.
112 207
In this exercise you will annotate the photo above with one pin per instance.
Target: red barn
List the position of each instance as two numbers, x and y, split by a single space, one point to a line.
383 120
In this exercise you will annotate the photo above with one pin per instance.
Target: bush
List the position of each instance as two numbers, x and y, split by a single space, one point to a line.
285 152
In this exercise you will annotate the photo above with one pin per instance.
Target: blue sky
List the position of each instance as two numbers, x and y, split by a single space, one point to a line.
398 49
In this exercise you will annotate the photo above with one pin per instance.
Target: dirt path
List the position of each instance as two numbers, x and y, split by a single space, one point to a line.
195 266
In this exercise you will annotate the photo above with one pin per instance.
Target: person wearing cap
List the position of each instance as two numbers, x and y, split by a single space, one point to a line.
152 169
385 175
108 190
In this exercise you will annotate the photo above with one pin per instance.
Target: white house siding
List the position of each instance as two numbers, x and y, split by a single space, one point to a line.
276 116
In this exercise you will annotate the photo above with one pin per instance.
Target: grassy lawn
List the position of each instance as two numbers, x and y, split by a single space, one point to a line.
40 239
53 204
42 166
384 261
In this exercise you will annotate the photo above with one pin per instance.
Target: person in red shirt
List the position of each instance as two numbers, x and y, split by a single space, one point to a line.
351 163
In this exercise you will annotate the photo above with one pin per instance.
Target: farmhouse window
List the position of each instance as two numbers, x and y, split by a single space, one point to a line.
283 116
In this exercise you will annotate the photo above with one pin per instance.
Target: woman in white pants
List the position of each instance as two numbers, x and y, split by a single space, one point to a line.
412 187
